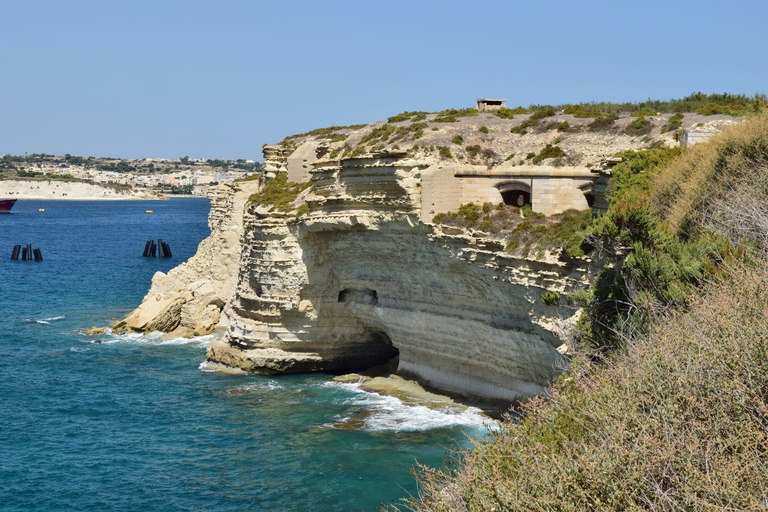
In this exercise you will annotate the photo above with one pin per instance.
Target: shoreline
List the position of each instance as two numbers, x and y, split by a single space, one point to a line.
69 191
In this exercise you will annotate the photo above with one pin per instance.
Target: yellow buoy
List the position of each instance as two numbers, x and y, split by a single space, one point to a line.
149 211
41 209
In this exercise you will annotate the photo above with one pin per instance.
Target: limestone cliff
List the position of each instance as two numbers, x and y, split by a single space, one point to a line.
188 300
360 279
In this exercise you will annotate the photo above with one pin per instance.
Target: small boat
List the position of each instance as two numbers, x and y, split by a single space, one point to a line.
6 205
149 211
41 209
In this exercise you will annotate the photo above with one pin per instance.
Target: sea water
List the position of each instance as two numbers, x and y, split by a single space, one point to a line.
136 423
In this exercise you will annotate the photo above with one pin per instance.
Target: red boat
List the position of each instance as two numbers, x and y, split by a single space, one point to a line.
6 205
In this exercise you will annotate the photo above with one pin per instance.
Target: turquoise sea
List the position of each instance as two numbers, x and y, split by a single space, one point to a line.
138 424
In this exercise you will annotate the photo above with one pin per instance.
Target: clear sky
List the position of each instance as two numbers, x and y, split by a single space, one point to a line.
159 78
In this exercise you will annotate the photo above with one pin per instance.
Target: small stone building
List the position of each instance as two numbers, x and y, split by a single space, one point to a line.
694 137
484 104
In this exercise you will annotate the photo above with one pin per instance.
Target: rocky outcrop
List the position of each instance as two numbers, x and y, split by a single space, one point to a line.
188 300
360 279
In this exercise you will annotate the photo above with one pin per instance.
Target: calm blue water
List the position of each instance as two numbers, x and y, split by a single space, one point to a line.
138 424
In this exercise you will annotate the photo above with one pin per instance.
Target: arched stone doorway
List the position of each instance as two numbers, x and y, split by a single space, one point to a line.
515 193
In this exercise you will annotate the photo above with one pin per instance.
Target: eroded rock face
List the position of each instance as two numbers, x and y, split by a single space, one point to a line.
360 279
189 299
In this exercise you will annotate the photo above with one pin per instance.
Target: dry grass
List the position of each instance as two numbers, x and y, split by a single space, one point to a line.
694 188
678 421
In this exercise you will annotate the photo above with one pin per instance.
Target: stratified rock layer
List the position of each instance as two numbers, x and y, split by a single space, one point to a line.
188 300
360 279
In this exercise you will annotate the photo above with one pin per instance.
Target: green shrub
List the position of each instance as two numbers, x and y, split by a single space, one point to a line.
520 130
674 122
550 298
563 127
509 113
458 139
279 193
549 151
603 122
452 115
470 213
473 150
509 157
581 111
407 116
444 152
638 126
483 129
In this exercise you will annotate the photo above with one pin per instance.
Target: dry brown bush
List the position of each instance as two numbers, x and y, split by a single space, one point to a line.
692 189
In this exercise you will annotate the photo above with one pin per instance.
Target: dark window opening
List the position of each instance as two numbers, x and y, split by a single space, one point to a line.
369 297
517 198
590 199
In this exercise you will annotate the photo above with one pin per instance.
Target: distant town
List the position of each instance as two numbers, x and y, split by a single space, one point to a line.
168 176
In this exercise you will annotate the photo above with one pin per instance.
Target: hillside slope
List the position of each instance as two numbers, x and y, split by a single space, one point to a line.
676 419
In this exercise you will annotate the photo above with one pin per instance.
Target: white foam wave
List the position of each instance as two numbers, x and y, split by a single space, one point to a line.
153 338
269 385
211 367
46 321
391 413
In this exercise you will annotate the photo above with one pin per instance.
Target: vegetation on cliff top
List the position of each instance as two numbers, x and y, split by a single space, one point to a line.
677 419
278 193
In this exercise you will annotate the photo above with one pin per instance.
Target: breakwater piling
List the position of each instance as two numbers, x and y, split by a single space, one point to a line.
161 249
27 253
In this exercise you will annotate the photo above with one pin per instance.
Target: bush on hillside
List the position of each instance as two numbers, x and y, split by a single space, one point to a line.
677 422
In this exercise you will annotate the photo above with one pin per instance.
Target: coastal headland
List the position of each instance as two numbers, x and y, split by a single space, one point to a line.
333 260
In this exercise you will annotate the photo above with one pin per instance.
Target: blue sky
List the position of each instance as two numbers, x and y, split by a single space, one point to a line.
157 78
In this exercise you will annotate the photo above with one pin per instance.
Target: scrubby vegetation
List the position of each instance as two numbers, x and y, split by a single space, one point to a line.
677 422
278 193
638 126
524 231
548 151
677 419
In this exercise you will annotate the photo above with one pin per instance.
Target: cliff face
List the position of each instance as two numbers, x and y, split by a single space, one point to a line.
188 300
360 279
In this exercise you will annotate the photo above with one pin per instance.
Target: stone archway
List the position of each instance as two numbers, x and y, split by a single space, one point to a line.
515 193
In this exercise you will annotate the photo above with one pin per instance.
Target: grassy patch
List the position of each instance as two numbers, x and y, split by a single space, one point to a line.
452 115
279 193
407 116
509 113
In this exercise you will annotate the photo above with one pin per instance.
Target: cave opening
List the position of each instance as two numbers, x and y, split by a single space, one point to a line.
590 199
369 297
